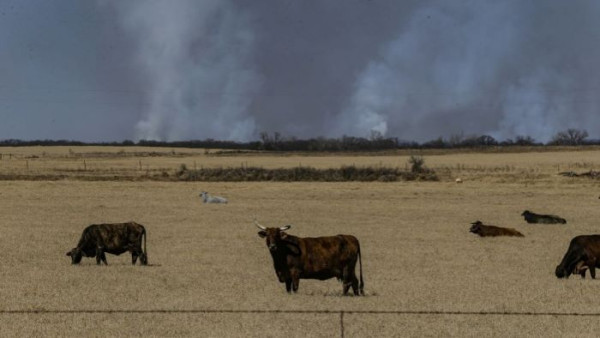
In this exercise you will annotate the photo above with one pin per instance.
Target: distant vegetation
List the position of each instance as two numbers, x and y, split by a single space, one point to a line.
376 142
303 174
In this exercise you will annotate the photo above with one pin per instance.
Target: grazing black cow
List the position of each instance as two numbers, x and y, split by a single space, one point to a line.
582 254
491 230
531 217
313 258
115 239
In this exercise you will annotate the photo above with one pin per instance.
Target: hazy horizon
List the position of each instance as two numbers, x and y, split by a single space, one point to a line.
107 70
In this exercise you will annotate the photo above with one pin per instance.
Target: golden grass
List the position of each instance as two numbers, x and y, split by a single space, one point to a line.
417 252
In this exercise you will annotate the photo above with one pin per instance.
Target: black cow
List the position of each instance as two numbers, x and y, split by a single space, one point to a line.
115 239
582 254
491 230
322 258
531 217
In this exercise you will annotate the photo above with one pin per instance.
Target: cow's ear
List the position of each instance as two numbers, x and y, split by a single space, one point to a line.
69 253
262 233
283 235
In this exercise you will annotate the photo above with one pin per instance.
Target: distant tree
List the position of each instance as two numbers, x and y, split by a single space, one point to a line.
456 140
438 143
569 137
416 163
376 135
486 140
478 141
522 140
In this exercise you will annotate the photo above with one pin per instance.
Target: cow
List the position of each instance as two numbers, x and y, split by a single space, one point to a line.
321 258
580 269
531 217
491 230
115 238
206 198
580 256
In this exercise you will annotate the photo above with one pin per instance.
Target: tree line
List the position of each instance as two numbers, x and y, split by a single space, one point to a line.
277 142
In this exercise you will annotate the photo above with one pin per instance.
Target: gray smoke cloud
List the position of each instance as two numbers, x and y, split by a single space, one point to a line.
504 68
195 57
230 69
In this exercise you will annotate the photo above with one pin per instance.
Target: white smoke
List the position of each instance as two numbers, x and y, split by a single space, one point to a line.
499 68
228 69
195 59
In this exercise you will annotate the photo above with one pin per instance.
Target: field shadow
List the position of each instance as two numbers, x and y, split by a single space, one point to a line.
119 264
341 294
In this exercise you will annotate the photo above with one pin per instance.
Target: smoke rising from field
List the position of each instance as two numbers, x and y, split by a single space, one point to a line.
194 56
230 69
502 68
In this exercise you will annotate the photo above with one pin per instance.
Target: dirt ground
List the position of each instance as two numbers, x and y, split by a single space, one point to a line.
210 275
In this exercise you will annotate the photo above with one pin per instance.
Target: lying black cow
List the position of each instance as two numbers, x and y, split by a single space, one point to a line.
531 217
582 254
491 230
313 258
98 239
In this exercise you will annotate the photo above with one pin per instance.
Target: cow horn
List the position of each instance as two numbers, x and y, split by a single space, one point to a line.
285 227
258 225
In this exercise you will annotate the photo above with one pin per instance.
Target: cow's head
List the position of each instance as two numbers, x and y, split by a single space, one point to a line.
475 227
525 213
276 237
76 255
561 272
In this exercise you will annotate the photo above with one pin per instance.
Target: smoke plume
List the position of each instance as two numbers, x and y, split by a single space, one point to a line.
195 58
417 70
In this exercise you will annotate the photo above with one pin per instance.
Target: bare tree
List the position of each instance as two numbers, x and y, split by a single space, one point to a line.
569 137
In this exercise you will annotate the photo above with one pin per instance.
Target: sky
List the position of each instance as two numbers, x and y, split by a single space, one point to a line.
417 70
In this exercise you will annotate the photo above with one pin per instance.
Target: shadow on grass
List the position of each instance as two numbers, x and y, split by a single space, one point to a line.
341 294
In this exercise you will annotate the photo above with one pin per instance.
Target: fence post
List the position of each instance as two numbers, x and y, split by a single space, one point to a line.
342 323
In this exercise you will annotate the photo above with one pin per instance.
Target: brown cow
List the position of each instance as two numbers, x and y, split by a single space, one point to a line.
313 258
581 255
115 239
491 230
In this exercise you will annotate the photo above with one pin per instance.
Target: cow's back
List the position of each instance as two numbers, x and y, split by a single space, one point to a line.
115 238
326 257
589 243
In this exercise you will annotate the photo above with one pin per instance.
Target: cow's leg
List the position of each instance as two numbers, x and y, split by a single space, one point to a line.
99 254
354 284
134 257
346 282
593 270
143 259
349 279
288 285
295 280
104 258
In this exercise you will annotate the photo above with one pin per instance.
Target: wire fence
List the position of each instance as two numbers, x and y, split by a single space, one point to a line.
339 313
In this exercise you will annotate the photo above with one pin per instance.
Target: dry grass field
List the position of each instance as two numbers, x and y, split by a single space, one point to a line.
210 275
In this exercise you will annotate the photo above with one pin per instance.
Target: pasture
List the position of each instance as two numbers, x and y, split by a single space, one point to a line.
210 274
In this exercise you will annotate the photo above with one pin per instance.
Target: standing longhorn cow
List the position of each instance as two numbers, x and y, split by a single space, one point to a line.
322 258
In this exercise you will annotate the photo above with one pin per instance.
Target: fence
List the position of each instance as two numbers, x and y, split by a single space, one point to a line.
339 313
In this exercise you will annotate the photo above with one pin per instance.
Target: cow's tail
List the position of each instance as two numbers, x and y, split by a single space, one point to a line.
144 235
361 286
